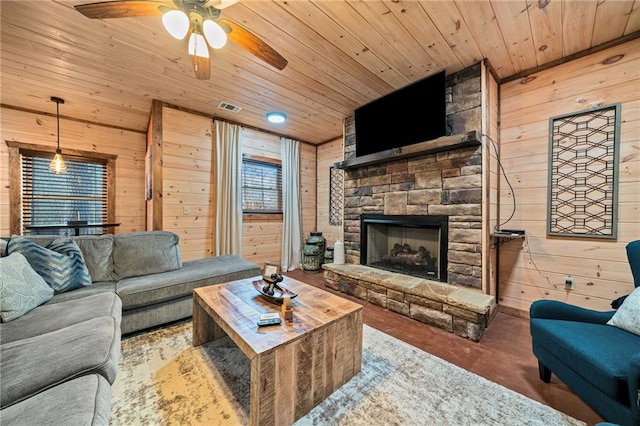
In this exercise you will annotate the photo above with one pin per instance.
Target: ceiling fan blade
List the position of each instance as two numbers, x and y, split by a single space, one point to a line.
122 9
201 66
253 44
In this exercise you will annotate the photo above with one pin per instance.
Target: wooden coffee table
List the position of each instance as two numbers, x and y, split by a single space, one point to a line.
294 365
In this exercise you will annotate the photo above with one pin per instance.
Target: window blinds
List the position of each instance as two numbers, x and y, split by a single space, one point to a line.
261 187
50 199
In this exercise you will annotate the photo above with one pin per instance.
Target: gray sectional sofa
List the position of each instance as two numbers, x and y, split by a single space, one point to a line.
58 360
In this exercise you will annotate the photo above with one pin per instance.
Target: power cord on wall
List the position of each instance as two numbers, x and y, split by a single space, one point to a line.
513 211
497 227
526 241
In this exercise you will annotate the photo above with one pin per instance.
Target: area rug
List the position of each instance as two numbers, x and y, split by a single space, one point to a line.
163 380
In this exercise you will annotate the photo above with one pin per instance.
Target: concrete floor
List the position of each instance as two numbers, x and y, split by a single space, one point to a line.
503 355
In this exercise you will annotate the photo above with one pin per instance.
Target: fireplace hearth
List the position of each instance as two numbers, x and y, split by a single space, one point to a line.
411 245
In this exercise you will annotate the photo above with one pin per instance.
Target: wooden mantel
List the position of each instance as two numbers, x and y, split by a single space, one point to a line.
444 143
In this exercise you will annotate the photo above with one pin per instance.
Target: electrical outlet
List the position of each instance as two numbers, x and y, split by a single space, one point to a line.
186 210
569 283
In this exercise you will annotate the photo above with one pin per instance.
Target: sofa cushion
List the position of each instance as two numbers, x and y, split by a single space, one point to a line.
60 263
21 288
54 316
32 365
95 288
155 288
142 253
627 317
96 251
82 401
590 350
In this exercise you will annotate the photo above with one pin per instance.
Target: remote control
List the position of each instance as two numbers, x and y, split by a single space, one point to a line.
269 316
273 321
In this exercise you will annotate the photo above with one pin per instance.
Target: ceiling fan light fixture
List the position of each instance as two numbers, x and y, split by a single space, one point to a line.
198 46
215 35
173 14
276 117
176 22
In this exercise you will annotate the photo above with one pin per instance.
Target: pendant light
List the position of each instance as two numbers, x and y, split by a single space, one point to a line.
57 165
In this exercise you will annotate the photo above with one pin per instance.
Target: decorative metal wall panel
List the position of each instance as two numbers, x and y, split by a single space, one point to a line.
336 195
583 173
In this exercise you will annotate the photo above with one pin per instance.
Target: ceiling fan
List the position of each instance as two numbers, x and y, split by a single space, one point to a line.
196 19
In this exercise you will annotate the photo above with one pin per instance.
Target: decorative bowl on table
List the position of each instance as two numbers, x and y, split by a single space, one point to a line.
279 292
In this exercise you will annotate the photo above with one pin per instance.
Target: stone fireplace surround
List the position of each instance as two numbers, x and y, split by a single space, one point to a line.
445 183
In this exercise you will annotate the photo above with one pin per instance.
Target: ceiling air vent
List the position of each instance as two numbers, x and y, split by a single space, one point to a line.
228 107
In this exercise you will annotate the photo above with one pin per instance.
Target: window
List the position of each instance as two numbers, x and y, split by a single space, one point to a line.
261 186
50 199
86 192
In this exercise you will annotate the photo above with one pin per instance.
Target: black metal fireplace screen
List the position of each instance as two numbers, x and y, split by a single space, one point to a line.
412 245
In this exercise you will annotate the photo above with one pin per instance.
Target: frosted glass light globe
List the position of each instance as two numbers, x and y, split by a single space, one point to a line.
215 35
176 23
198 46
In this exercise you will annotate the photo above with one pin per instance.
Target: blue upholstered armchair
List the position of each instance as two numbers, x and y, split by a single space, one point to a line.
599 362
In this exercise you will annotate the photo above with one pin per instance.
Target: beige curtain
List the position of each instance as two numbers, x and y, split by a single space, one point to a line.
228 238
292 219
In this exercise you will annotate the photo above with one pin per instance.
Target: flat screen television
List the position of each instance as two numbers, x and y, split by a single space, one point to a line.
416 113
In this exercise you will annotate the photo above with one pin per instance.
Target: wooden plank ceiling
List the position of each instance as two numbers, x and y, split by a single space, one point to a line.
342 54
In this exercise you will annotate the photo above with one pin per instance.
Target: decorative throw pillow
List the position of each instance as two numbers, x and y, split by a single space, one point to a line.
21 288
60 263
627 317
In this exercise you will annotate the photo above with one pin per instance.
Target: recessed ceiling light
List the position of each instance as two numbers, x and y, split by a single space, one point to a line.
276 117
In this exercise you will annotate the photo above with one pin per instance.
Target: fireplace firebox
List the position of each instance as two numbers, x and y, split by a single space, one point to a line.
411 245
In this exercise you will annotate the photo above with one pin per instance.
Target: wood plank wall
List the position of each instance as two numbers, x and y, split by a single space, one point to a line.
308 180
188 164
129 146
262 234
534 268
188 184
187 159
328 154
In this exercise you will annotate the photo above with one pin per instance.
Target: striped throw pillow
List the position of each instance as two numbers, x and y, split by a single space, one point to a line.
60 263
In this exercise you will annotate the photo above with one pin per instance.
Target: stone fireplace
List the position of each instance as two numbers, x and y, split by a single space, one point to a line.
413 221
445 183
412 245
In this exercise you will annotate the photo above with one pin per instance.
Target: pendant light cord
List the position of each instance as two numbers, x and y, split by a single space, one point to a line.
58 121
57 163
58 101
